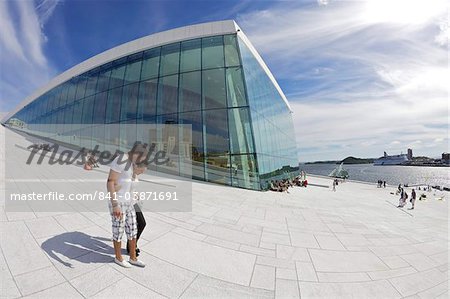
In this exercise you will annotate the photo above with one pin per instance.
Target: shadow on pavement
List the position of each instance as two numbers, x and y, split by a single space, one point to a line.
80 247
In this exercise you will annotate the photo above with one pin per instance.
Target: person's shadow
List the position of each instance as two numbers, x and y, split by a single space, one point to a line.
78 246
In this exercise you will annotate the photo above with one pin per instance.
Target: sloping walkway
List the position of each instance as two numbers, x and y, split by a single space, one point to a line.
312 242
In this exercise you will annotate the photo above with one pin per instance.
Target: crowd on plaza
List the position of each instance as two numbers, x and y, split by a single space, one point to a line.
285 184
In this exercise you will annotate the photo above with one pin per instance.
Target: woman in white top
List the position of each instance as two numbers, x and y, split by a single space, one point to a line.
121 204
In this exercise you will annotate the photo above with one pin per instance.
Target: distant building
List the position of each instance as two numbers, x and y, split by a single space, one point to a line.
410 154
446 158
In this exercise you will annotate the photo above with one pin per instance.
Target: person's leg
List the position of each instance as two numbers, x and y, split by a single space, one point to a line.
131 230
117 231
140 224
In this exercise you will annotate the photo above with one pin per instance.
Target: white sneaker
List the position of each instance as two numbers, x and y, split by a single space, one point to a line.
122 263
137 263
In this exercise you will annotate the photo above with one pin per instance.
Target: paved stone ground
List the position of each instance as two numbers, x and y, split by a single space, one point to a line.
310 243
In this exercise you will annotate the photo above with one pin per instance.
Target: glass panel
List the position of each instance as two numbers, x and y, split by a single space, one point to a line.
100 107
117 73
147 99
91 84
243 171
133 71
231 50
113 105
235 87
216 130
190 91
212 52
241 140
129 101
190 55
195 120
77 112
103 81
68 114
81 88
214 95
88 106
63 96
170 59
150 65
167 95
72 90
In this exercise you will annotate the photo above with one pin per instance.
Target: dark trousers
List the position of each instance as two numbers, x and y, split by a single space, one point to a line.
140 224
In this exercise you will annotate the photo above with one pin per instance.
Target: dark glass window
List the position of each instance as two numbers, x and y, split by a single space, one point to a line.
241 139
235 87
167 95
216 129
231 50
190 91
170 59
103 81
88 106
190 55
147 99
243 171
113 105
129 101
194 119
91 85
212 52
150 65
214 95
81 87
133 71
100 107
117 73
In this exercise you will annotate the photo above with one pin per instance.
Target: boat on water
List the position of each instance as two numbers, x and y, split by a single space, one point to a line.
391 160
339 172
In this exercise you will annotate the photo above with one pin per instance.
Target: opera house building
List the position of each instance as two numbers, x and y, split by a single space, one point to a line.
207 76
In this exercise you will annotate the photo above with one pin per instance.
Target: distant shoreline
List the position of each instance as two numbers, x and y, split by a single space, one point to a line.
338 162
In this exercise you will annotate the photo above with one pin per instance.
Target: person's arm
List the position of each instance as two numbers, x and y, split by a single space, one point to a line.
111 187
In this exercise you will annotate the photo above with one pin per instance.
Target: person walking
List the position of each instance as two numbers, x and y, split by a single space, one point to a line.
121 203
139 169
334 185
413 198
402 196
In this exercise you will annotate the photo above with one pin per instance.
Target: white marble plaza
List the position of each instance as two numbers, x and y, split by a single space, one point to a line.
310 243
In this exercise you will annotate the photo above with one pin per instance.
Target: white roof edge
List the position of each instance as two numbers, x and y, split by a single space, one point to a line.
147 42
263 65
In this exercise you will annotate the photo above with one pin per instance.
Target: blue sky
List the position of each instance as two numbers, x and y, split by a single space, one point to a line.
362 76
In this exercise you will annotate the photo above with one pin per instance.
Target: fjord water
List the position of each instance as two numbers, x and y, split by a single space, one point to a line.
393 175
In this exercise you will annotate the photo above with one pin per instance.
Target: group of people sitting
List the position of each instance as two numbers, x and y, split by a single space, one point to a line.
91 161
283 185
42 146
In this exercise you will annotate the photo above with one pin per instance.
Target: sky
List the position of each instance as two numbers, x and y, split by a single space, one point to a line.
362 77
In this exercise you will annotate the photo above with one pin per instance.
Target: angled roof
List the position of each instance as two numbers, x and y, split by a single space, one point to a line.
148 42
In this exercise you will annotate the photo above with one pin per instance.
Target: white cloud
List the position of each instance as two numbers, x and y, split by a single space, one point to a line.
22 40
359 84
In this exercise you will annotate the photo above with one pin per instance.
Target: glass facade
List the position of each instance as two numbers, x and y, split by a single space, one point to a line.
242 131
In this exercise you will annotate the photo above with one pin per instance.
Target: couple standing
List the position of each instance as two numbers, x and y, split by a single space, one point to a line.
125 212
